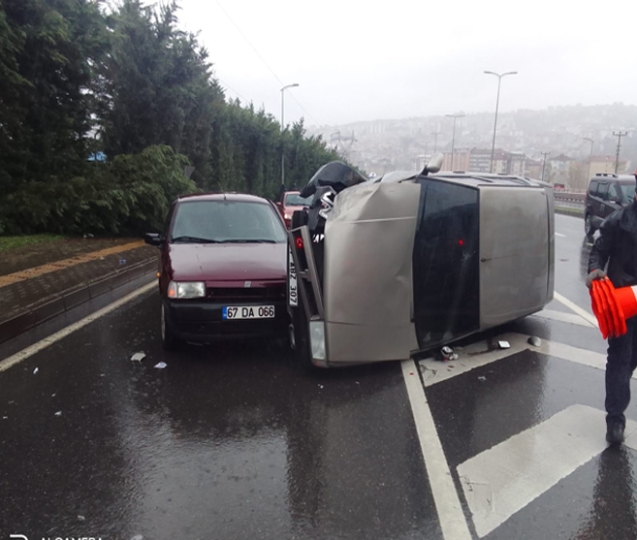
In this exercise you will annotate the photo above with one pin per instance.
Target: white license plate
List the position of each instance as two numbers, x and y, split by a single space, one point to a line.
247 312
293 291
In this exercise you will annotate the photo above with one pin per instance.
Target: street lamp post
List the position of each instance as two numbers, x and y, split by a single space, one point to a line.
282 129
453 137
590 156
497 104
544 163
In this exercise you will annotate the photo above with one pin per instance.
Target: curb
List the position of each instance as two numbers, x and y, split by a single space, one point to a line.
74 300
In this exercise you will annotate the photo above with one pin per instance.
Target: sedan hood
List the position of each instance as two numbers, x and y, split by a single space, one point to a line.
228 262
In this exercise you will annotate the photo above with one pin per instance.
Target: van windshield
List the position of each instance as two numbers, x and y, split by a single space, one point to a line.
226 222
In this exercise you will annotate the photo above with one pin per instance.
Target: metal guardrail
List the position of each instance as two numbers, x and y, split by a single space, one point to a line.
569 197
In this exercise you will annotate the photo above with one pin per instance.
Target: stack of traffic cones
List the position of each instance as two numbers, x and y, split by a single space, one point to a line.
613 306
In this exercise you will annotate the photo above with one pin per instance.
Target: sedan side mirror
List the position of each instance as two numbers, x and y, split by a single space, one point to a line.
153 239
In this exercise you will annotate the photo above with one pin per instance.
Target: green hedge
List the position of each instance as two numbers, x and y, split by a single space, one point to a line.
129 195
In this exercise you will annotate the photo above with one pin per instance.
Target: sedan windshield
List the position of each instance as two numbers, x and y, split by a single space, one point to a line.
226 221
294 199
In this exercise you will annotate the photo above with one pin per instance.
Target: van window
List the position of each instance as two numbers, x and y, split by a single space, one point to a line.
602 191
592 190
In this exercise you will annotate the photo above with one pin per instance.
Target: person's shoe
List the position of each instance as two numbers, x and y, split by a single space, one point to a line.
615 434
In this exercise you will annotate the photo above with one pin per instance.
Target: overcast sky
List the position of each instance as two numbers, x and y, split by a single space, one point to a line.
364 60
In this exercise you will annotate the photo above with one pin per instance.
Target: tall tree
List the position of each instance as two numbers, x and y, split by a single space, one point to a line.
48 50
160 85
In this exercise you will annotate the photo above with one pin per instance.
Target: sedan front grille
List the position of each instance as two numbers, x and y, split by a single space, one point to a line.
247 294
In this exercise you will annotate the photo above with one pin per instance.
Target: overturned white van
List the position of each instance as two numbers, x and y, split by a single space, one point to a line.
385 269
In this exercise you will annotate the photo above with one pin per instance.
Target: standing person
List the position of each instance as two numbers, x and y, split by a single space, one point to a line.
617 246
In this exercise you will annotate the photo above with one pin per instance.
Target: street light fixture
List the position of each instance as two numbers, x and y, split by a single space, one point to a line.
453 137
282 129
590 156
497 104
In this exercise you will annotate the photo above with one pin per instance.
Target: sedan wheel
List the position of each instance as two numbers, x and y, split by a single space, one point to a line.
168 338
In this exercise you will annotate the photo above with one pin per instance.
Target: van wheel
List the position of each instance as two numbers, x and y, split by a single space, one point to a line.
169 339
588 226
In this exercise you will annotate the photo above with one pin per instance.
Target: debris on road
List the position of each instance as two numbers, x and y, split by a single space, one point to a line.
138 357
35 370
161 365
59 413
81 518
535 341
481 378
504 344
446 354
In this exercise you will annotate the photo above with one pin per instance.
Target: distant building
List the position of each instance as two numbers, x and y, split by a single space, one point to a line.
517 163
461 160
605 164
480 160
503 162
533 169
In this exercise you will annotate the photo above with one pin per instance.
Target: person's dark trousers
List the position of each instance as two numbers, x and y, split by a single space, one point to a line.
622 360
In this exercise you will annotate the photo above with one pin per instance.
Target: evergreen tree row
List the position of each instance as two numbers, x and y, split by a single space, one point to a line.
79 81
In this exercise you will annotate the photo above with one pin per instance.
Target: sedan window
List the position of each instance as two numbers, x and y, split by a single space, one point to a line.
226 221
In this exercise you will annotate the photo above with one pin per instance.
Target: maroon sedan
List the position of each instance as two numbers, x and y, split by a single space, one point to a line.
222 269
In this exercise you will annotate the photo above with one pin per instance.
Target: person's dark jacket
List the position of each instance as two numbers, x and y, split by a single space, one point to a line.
617 246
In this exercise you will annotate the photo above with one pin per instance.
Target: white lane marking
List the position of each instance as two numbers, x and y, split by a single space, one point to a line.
452 520
560 235
470 357
504 479
571 318
478 354
43 344
575 308
574 354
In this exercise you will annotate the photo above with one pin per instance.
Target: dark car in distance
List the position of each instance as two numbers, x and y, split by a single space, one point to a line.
222 269
606 193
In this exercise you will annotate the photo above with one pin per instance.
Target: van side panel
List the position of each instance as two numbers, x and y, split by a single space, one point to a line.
515 253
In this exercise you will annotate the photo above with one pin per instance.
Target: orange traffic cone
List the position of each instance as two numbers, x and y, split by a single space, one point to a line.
613 306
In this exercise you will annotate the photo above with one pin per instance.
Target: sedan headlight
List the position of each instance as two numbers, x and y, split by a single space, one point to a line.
186 289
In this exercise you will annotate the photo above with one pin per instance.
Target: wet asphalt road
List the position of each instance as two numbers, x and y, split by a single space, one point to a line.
225 442
237 442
